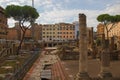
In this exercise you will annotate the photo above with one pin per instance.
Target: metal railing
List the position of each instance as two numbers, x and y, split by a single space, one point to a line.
21 71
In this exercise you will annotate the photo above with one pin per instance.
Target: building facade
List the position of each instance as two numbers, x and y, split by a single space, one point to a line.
15 33
49 32
66 31
58 32
38 32
12 34
115 31
114 34
100 30
3 24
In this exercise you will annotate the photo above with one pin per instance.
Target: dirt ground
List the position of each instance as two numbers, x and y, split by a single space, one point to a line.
71 66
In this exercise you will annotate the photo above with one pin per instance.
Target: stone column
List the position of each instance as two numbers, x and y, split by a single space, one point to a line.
105 60
82 75
105 64
91 36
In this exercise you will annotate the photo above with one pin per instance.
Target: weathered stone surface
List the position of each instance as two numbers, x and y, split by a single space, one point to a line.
105 64
82 75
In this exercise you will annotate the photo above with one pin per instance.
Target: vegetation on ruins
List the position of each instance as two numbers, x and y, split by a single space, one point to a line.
107 19
25 15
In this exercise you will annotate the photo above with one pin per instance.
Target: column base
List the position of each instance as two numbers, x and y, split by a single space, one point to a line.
82 76
105 75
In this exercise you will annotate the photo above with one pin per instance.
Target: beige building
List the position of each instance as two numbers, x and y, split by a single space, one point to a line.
58 32
50 32
115 31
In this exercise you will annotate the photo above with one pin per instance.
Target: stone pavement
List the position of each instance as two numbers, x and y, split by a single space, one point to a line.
34 72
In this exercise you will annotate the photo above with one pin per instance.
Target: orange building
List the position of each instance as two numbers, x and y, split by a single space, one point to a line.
100 30
12 34
37 31
3 24
67 31
15 33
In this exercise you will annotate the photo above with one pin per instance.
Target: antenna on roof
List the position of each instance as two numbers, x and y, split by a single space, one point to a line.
32 3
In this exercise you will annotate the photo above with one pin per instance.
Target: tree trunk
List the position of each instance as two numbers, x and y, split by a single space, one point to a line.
19 47
107 35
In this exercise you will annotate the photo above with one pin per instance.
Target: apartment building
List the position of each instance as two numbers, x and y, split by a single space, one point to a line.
50 32
3 24
58 32
66 31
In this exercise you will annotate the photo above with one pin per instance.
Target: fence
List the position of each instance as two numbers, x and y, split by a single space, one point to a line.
20 73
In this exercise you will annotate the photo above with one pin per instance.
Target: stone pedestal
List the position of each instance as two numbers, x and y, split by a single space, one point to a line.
82 74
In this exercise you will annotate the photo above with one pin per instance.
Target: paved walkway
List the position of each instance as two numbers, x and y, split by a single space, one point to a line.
34 72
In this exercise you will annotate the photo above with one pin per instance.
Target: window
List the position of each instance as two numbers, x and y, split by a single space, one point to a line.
70 32
60 28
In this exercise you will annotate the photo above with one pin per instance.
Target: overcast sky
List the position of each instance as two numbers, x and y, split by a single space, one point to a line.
55 11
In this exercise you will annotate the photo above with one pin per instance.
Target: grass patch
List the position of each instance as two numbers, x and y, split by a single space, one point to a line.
15 63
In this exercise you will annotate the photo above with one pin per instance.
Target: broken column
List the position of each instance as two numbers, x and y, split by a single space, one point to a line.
82 75
105 59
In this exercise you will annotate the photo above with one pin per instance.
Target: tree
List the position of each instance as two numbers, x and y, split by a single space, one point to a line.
22 14
107 19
